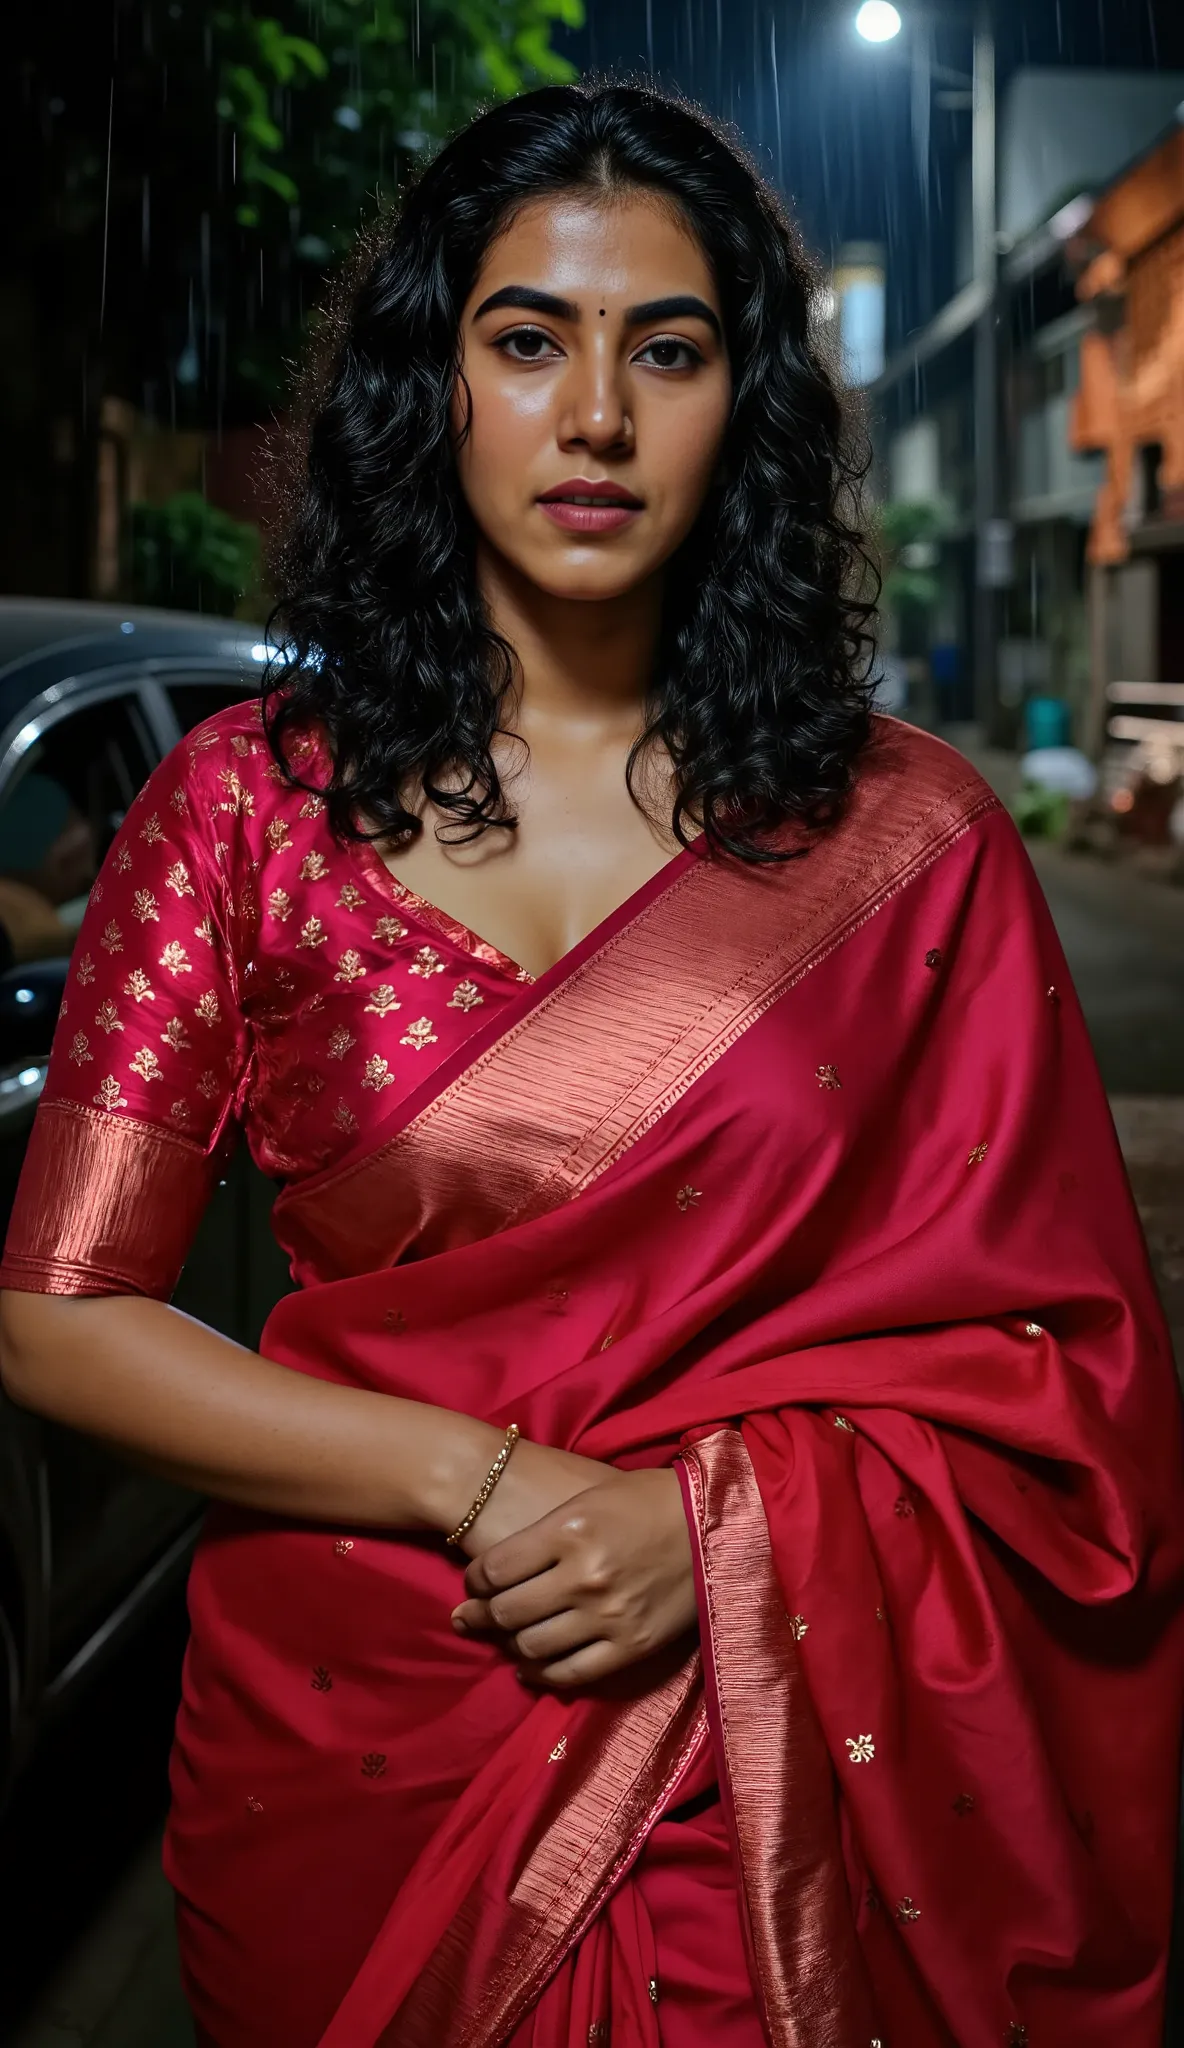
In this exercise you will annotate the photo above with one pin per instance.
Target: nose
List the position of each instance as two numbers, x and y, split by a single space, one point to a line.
594 403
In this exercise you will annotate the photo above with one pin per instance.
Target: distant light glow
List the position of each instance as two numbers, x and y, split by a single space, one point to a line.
29 1076
878 21
261 652
25 995
126 626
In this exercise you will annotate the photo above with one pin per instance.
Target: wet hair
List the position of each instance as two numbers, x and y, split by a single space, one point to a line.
760 688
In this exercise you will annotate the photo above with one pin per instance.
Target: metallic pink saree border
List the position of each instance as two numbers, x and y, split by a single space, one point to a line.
775 1774
564 1092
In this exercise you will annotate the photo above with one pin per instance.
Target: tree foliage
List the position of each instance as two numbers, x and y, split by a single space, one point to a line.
331 110
190 169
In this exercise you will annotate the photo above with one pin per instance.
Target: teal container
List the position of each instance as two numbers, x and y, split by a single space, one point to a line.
1046 722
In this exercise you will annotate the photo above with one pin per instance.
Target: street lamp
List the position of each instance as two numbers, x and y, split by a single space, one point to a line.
878 22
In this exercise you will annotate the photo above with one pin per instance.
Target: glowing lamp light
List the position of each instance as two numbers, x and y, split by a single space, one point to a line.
878 21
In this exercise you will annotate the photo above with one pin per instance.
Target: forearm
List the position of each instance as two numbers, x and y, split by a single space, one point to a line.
179 1397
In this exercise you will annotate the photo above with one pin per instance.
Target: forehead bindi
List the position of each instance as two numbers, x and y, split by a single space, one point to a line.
601 255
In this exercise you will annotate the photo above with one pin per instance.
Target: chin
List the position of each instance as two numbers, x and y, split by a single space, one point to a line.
589 582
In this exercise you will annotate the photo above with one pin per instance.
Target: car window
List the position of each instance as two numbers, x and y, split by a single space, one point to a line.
59 811
194 702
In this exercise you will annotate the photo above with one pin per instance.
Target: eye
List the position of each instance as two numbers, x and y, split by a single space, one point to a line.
669 352
527 345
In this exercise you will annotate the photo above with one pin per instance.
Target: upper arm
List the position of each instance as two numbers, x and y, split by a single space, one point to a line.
148 1061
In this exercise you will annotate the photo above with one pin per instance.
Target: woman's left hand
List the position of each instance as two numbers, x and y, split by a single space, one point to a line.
595 1585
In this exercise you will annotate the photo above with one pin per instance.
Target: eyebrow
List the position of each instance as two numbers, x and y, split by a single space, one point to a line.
524 298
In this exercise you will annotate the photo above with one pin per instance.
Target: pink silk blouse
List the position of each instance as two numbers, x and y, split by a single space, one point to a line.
237 966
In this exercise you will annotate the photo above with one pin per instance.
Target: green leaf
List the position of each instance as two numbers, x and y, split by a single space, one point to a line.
279 182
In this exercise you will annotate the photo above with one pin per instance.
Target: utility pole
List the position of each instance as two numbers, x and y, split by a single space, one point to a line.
992 533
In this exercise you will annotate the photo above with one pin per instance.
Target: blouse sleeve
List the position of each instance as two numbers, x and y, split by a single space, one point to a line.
148 1065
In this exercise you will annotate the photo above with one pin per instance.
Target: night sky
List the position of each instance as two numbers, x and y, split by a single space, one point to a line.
831 118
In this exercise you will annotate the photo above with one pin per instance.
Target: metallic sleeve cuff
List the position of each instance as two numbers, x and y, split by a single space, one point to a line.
106 1205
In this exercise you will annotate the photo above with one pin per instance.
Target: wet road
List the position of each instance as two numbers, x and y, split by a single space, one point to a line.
87 1940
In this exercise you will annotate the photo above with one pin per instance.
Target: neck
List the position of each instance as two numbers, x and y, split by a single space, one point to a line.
578 660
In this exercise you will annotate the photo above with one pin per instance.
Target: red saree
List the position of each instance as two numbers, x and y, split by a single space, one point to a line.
805 1181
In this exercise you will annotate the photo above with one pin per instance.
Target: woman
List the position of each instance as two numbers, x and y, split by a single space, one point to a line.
752 1163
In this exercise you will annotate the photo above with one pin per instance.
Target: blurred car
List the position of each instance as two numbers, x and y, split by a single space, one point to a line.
91 699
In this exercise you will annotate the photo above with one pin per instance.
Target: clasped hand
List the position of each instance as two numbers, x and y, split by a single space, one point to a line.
599 1583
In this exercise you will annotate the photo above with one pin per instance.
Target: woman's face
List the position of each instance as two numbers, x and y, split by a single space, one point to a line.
592 347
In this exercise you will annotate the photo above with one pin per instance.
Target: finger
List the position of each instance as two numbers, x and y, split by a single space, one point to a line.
476 1583
535 1600
521 1556
585 1666
471 1617
557 1637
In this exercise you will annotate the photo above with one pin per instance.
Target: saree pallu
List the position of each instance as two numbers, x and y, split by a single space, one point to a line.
803 1181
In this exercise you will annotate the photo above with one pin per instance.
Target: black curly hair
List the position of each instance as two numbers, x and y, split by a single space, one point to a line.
761 687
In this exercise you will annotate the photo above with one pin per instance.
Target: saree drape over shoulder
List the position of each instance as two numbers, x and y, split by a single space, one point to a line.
801 1180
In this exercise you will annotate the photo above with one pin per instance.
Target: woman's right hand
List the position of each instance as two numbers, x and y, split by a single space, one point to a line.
535 1480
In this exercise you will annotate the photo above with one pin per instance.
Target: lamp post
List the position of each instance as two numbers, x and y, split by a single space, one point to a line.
879 22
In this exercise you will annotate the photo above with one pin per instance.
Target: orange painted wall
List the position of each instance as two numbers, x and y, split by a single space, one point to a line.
1132 380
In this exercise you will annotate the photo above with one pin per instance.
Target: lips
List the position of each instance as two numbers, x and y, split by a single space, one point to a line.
588 505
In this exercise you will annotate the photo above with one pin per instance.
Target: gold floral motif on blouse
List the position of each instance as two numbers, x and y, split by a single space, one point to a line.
180 1113
175 958
349 967
139 986
107 1017
388 930
340 1042
276 835
207 1008
419 1034
382 1001
146 1064
85 971
179 800
173 1036
345 1119
123 861
144 907
109 1095
205 930
312 933
314 867
427 962
177 879
978 1155
279 905
112 939
152 830
238 799
465 996
351 897
312 807
209 1085
860 1749
80 1050
378 1073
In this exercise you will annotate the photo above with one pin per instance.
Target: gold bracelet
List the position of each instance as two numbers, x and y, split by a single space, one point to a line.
490 1481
